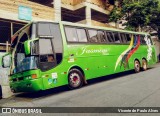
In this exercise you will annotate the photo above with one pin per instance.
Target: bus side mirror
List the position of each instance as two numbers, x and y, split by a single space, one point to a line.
27 47
6 61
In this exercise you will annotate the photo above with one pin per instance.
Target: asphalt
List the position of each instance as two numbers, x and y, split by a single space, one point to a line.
127 89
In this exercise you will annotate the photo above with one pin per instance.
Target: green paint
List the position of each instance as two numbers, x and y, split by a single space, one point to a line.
27 46
95 61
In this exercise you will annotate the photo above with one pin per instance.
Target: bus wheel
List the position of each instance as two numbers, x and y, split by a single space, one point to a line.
136 66
144 65
75 79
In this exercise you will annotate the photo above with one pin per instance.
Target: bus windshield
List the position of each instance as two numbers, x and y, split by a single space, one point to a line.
46 50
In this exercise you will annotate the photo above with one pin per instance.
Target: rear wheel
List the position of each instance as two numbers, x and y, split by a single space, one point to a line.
75 79
136 66
144 64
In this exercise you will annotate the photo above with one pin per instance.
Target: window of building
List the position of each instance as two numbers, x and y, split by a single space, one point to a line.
111 2
48 3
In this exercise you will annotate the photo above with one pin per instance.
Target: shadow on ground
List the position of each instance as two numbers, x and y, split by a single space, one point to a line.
58 90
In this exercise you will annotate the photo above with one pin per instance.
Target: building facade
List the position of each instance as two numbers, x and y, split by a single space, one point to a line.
14 14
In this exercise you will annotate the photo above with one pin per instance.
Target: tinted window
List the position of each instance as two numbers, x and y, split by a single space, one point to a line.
123 37
71 34
110 36
81 35
150 39
44 29
48 46
93 36
47 58
116 36
57 39
52 31
76 34
142 39
101 37
128 37
35 48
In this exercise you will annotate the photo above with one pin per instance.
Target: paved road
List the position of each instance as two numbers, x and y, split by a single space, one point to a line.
121 90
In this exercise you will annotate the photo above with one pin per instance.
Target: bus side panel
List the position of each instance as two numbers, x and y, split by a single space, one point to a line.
56 77
97 60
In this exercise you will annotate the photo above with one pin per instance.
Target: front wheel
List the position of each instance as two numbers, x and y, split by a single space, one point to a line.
75 79
144 65
136 66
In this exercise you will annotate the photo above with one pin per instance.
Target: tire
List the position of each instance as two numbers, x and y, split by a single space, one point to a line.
75 79
137 66
144 65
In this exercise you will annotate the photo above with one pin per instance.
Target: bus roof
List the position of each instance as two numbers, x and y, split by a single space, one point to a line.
80 25
101 28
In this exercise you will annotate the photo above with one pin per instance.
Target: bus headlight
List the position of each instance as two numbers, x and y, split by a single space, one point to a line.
28 77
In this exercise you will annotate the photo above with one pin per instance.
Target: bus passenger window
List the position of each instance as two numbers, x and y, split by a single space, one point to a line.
110 36
128 38
93 36
123 37
117 39
101 37
71 34
81 33
149 37
143 42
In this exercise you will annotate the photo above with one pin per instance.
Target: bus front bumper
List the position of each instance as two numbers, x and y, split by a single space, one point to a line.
27 85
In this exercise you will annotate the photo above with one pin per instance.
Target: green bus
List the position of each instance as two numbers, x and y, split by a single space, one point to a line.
51 54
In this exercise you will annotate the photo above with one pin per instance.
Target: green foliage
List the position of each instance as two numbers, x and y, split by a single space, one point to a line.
130 28
139 13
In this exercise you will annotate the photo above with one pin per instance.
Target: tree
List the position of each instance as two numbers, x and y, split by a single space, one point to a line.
138 13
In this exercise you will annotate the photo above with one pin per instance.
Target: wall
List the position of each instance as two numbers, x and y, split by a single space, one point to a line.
1 54
72 2
96 23
4 80
3 72
100 3
39 11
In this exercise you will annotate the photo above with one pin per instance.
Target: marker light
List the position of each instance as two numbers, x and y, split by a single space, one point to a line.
34 76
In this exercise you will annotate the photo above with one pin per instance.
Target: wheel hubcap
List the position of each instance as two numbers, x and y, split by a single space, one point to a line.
74 79
137 67
144 65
